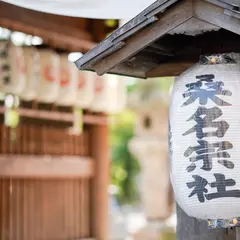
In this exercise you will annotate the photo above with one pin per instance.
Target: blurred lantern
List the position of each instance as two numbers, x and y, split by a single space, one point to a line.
49 76
118 93
31 58
12 74
101 94
68 81
110 94
204 141
85 88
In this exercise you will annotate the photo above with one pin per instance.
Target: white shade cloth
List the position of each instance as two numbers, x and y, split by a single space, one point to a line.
99 9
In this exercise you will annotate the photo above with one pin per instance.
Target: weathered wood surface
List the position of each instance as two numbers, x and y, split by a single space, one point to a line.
216 15
100 182
40 209
168 69
42 200
51 167
189 228
166 23
149 50
58 116
59 31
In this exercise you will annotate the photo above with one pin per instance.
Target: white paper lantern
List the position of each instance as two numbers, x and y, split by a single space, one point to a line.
31 58
85 88
204 139
117 93
68 81
49 76
13 72
110 94
101 94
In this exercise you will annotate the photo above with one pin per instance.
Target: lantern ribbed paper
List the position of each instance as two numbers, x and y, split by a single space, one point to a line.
110 94
85 88
101 94
13 74
49 76
204 138
118 93
68 81
31 59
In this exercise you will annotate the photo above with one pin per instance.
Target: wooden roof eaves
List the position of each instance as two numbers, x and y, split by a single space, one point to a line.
116 40
219 14
215 12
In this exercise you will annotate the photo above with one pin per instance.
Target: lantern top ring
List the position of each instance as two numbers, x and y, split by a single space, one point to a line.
225 58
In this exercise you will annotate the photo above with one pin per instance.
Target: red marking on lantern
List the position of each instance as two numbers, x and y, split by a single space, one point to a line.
20 64
64 77
82 81
99 84
48 73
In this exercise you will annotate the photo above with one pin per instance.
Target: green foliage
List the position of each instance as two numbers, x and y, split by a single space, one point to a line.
165 83
168 236
125 167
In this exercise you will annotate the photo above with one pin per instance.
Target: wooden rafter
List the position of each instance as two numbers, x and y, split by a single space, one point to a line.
59 116
171 42
58 31
27 166
174 18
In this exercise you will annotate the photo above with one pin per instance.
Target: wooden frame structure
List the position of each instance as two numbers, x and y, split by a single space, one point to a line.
45 159
164 40
146 47
54 185
68 33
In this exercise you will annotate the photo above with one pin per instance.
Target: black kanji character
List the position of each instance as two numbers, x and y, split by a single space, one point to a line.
196 91
206 152
199 187
221 184
204 118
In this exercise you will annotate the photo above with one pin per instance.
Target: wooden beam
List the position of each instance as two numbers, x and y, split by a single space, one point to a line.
34 166
168 21
99 195
215 15
233 234
57 31
85 239
59 116
170 69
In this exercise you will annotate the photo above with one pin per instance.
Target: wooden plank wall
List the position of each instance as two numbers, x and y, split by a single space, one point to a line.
42 208
43 138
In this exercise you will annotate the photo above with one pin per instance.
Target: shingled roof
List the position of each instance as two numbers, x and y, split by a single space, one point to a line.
167 38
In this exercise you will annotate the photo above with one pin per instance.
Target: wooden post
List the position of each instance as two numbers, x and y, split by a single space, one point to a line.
192 229
99 195
237 234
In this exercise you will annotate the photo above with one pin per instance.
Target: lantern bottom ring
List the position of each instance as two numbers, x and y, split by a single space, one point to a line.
224 223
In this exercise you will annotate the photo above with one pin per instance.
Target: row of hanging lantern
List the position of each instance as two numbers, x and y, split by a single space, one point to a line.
47 76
